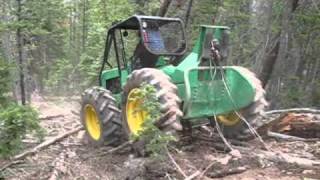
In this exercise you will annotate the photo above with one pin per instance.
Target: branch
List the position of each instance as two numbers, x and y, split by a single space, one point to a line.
188 13
226 172
206 169
296 110
75 113
123 145
284 136
10 164
47 143
58 165
51 117
287 159
176 164
192 176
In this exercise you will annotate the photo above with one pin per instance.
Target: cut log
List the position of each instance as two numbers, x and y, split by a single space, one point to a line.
299 125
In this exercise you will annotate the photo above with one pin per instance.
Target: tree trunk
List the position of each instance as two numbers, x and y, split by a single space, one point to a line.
269 62
272 56
84 26
304 57
188 13
164 8
262 16
20 57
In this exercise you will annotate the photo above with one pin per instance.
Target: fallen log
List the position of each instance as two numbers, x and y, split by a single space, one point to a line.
296 110
303 126
47 143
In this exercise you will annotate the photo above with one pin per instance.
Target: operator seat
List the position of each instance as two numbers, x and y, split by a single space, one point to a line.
143 58
153 41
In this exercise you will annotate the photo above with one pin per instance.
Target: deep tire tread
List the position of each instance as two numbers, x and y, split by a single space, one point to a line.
166 92
109 115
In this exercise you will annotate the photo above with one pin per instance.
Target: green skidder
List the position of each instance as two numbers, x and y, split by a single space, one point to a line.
195 87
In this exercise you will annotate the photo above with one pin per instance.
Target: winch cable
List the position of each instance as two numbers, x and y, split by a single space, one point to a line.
214 116
251 129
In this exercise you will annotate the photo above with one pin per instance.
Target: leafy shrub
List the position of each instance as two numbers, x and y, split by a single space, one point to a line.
156 139
4 82
15 122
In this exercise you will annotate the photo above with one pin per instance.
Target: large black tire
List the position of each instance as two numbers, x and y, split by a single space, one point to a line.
166 94
250 113
109 116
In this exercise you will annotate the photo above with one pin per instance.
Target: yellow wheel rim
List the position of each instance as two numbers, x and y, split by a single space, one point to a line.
135 115
230 119
92 122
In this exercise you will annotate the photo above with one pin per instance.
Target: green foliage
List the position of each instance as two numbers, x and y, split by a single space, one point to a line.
292 97
156 139
15 122
315 98
4 81
64 39
149 7
79 66
60 75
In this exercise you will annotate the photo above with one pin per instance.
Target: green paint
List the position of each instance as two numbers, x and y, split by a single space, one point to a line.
201 96
118 98
206 97
114 73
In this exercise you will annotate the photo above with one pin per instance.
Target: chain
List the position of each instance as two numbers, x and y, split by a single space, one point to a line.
251 129
214 115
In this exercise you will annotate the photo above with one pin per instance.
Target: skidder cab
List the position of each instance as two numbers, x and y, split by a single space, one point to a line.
191 87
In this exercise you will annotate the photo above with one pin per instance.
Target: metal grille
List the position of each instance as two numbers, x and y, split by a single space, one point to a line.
163 37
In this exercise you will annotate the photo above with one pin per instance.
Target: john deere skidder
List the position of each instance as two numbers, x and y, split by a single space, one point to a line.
191 88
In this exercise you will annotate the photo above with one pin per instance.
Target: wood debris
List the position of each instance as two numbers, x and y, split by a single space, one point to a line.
47 143
301 127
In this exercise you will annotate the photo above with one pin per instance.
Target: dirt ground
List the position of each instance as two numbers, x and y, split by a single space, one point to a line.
74 158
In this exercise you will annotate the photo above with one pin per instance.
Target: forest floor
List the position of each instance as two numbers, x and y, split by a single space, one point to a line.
74 158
